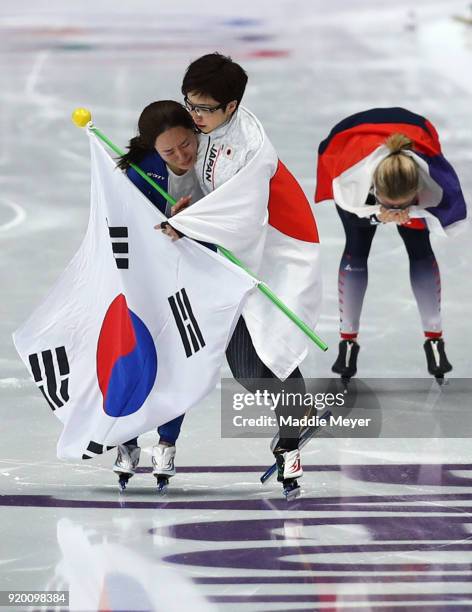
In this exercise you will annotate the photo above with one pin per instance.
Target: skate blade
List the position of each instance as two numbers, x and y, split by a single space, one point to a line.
292 494
162 489
162 485
123 481
292 491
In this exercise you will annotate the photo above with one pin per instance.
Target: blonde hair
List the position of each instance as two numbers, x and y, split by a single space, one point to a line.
397 175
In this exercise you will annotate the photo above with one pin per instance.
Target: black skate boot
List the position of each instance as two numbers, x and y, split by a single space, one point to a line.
288 470
438 364
346 363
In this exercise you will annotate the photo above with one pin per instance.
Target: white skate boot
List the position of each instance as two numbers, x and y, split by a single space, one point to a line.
163 466
289 468
126 463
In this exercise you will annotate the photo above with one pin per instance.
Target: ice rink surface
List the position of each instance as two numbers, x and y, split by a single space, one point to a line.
383 524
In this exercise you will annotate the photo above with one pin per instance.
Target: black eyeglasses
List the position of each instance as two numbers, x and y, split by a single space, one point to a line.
200 110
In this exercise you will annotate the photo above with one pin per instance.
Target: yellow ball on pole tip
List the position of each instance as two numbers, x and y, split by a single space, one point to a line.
81 116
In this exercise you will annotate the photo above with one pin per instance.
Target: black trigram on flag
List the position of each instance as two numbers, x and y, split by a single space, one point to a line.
52 375
94 449
187 325
119 245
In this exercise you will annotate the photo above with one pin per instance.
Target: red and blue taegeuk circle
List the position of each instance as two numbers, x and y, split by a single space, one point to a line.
126 360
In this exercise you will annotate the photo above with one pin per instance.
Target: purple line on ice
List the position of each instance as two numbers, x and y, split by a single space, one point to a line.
274 558
327 598
404 474
380 528
333 579
334 504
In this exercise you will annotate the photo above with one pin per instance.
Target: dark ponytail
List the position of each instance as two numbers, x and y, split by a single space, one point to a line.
156 118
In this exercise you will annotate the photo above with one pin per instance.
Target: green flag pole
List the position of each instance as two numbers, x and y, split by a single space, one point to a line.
82 117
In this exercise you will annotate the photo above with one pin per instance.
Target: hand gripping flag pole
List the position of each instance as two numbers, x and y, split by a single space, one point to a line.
82 118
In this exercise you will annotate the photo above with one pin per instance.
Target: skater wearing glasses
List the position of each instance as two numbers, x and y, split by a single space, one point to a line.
232 141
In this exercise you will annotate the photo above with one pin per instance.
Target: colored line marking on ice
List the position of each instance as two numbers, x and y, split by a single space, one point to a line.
303 504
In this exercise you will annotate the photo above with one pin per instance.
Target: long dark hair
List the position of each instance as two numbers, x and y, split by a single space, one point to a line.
155 119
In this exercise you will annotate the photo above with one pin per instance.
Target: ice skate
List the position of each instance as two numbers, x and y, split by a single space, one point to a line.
346 362
163 466
289 468
436 358
126 463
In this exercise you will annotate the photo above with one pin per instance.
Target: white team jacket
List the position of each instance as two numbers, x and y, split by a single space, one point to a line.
227 149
